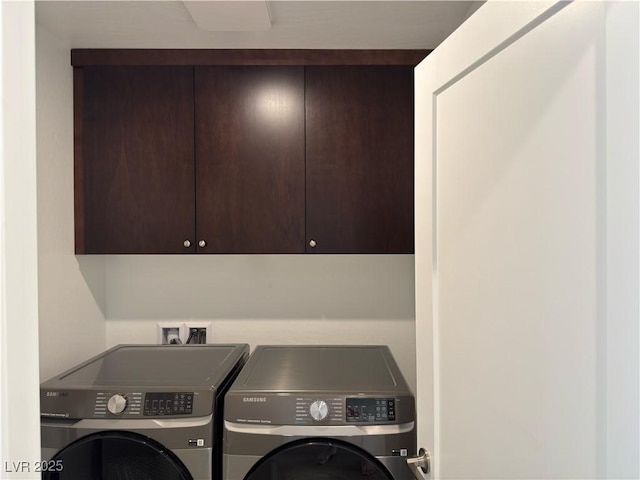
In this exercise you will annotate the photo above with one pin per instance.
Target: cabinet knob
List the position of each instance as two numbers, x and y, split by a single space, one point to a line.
202 244
187 243
312 243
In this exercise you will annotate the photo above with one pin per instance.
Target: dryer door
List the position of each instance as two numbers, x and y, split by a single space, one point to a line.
116 456
323 459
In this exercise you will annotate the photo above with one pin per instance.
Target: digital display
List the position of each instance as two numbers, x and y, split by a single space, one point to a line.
369 410
174 403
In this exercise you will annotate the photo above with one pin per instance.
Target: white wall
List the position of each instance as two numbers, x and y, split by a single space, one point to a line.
72 325
623 310
267 299
19 399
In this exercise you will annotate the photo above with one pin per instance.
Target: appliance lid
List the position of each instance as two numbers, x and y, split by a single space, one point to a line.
154 365
321 368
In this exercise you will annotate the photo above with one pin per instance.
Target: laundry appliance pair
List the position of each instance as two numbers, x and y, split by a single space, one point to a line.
205 412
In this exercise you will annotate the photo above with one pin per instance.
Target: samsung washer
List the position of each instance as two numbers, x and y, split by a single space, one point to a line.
319 412
139 412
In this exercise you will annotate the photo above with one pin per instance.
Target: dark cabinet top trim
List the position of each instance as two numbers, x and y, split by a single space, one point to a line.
86 57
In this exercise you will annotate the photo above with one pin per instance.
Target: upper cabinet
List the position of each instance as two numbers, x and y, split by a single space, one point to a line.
134 150
359 158
250 152
250 159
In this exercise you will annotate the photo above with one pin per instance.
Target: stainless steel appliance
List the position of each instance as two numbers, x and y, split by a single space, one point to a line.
139 412
319 412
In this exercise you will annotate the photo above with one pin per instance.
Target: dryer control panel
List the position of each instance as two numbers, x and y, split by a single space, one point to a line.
311 409
367 410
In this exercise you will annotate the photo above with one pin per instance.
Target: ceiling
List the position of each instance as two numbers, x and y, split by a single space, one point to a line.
294 24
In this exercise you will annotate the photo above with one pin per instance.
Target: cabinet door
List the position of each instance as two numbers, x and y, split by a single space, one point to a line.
250 159
134 159
359 153
527 244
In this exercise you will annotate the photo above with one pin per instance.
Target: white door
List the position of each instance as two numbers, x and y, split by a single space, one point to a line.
527 244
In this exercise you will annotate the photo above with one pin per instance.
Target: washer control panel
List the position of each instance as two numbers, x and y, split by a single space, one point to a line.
125 404
367 410
120 404
172 403
310 410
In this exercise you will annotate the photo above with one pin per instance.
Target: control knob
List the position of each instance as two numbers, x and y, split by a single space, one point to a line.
116 404
319 410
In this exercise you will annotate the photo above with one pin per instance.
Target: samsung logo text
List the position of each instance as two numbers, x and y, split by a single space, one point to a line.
254 399
57 394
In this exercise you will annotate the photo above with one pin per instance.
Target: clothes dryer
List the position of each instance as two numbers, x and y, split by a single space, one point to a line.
319 412
143 412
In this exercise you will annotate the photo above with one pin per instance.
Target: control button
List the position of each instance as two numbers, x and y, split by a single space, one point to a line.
319 410
116 404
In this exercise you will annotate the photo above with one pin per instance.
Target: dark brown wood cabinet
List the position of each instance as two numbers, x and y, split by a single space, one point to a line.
359 158
244 157
250 159
134 159
180 160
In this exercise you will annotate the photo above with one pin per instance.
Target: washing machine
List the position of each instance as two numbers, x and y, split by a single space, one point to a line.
139 412
319 412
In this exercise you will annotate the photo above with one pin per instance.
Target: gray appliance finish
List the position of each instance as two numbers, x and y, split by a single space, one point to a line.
319 412
143 412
